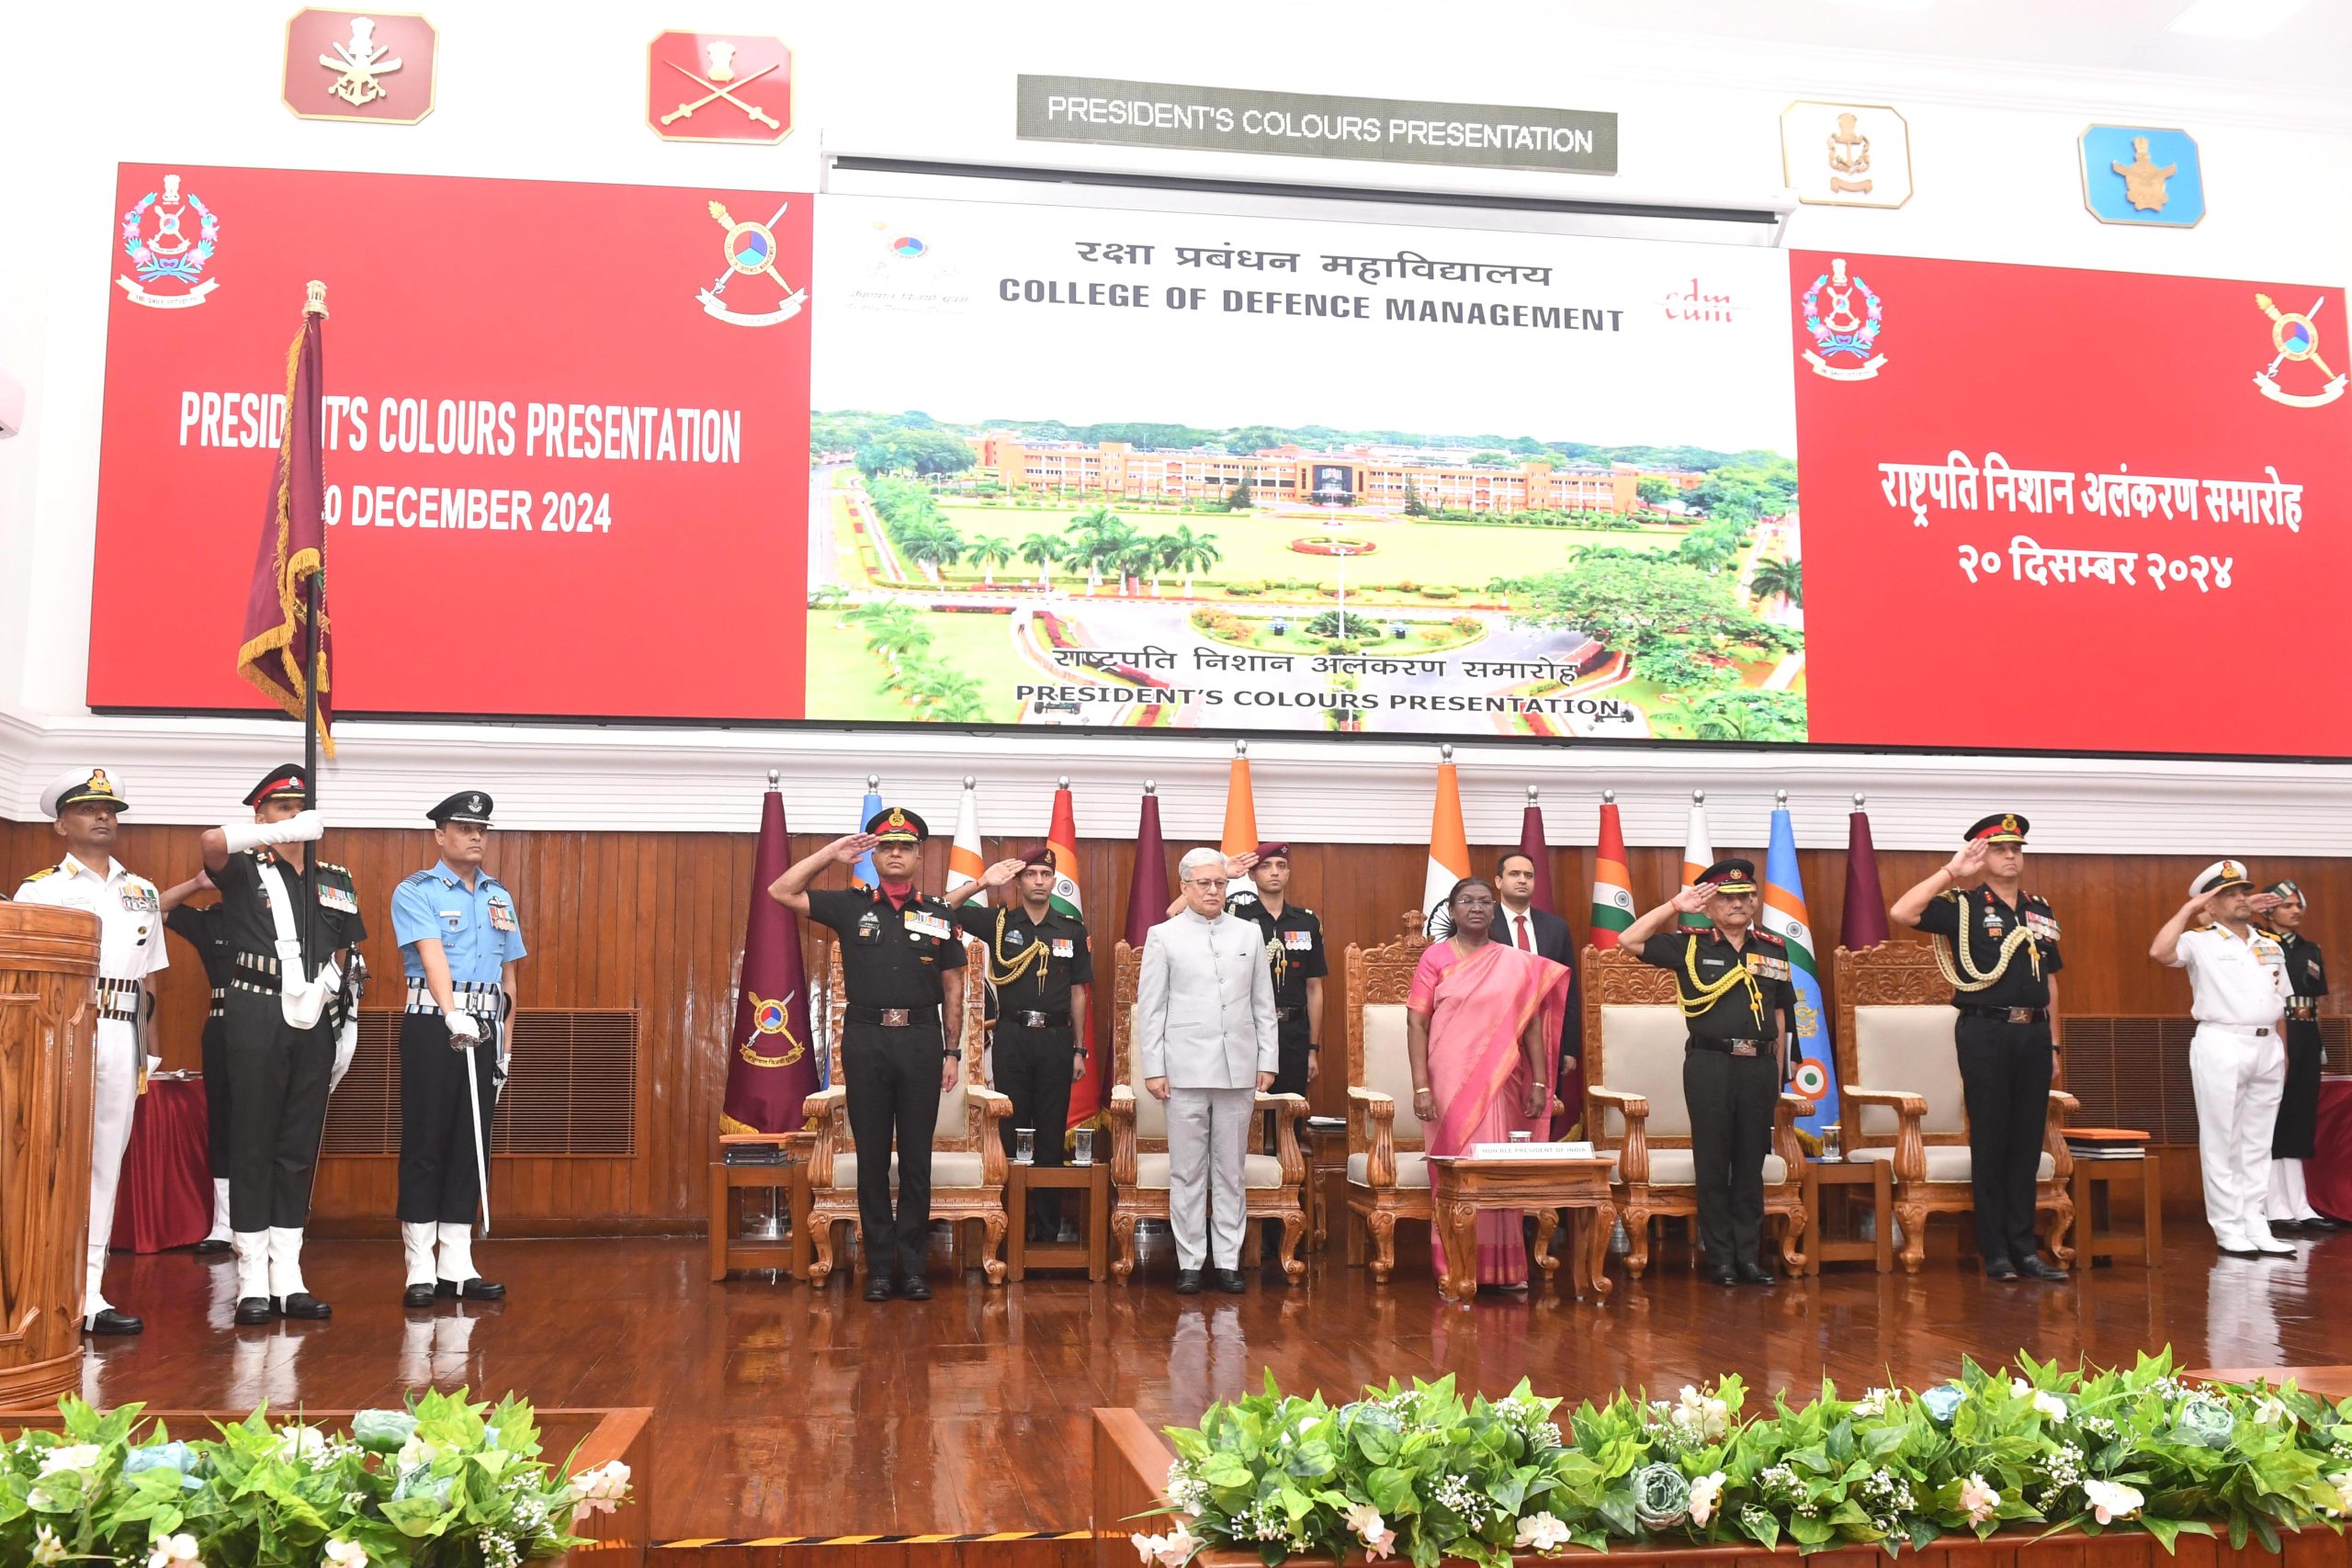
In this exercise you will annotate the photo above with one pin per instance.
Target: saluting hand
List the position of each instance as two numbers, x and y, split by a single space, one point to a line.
849 851
1969 864
2263 903
1001 873
1691 900
1238 865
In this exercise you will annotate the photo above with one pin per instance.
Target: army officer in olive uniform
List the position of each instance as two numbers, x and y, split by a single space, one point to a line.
902 973
1736 998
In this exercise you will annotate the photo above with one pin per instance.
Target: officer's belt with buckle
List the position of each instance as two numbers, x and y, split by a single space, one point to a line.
1727 1047
2005 1015
1036 1019
481 997
2303 1010
118 999
893 1018
1289 1015
252 969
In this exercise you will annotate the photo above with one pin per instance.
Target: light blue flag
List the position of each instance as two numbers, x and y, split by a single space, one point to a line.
1813 1061
863 875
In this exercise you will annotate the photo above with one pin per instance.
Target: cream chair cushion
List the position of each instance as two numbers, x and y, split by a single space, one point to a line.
1262 1172
1951 1162
1679 1167
949 1168
1388 1069
1152 1116
1642 1053
1909 1048
1412 1169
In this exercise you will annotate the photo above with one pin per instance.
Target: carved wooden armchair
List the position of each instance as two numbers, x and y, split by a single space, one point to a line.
967 1163
1634 1036
1388 1173
1272 1184
1898 1082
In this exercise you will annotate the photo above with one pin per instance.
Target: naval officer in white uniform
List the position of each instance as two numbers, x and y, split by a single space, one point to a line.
86 805
1208 1034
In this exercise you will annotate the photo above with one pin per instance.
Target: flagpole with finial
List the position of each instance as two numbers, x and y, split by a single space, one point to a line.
314 303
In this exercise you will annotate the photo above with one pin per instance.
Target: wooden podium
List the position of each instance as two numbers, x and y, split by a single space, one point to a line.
48 960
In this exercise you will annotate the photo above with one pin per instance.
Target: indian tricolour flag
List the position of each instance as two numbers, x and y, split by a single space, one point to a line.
1697 856
964 863
1449 850
1813 1065
1612 880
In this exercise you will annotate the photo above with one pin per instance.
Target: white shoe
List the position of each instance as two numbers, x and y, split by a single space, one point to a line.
2271 1247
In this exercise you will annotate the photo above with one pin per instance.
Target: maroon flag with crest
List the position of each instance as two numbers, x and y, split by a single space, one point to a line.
771 1061
288 639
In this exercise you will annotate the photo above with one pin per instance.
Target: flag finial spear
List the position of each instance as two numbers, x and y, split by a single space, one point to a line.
1062 783
1858 798
1242 748
1151 787
971 783
315 301
874 781
1779 797
1531 792
1608 798
1445 753
776 777
1698 797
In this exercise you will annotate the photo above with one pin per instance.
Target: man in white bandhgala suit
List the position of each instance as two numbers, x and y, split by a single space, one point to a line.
1205 1030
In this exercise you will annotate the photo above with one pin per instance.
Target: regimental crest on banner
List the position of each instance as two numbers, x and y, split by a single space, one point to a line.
376 66
771 1020
2295 338
749 250
718 87
1846 154
1844 316
2146 176
161 251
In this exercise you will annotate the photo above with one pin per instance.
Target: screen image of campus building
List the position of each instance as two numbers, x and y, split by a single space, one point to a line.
1028 572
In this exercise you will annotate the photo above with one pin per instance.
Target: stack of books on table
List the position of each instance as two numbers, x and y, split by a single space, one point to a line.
736 1149
2105 1142
1531 1150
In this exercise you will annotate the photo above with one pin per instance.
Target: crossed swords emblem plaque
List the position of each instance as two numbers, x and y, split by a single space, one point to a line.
749 250
718 87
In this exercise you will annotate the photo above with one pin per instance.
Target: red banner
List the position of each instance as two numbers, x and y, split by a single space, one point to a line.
2062 509
566 440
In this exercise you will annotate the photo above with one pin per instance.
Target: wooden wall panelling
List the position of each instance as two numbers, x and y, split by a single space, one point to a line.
653 921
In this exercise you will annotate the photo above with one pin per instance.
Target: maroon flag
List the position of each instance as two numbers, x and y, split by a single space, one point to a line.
1147 889
771 1065
1864 923
287 638
1532 845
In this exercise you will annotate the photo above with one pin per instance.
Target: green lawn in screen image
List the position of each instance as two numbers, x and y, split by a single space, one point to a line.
845 678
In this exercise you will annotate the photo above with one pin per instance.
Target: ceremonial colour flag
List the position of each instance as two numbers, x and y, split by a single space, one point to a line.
1613 881
1086 1095
1864 921
963 864
1697 856
1532 845
1449 850
285 607
861 875
1814 1066
1147 889
1240 810
771 1064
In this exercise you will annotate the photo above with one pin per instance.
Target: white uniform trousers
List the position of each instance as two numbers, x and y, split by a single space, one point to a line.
2289 1198
1208 1137
116 1097
2238 1076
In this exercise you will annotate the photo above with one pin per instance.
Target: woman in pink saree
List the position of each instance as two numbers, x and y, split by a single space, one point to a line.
1476 1024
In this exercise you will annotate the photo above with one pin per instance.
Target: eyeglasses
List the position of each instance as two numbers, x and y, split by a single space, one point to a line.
1211 881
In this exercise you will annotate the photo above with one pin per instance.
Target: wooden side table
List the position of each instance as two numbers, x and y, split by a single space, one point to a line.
1091 1253
1326 1159
1461 1187
730 1251
1821 1247
2101 1176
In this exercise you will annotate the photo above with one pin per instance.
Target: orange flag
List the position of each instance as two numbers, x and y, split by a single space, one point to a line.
1240 811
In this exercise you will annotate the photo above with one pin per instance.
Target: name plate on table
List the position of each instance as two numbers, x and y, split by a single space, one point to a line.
1530 1151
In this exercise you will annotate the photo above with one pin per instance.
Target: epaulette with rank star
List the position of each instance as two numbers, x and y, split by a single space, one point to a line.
329 865
1757 934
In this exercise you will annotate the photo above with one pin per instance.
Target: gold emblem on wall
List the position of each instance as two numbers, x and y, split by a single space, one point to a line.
360 65
1846 154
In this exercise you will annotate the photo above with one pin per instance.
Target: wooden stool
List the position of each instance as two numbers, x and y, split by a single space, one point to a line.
2100 1176
1878 1176
728 1251
1091 1253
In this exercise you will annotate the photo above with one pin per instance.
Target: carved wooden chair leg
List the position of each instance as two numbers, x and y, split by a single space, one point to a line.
1123 1235
1294 1233
992 1262
1912 1217
1383 1226
820 1237
1637 1231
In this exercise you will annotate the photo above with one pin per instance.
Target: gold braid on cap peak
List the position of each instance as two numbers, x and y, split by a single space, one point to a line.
1707 994
1974 979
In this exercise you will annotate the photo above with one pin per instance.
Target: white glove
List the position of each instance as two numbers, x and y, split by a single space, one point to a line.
329 980
303 827
463 1030
346 1044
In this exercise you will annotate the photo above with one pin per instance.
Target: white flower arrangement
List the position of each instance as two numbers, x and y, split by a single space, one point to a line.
174 1551
47 1548
1379 1540
600 1490
1705 1492
71 1457
341 1553
1979 1501
1540 1532
1170 1551
2112 1500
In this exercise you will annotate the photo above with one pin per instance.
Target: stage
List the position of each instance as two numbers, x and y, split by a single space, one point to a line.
782 1410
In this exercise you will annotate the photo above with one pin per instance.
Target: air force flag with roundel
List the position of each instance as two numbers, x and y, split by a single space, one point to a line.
1813 1064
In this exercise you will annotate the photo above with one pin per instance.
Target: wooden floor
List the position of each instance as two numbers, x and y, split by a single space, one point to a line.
781 1410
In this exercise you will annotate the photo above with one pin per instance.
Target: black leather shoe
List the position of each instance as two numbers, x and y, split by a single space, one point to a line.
1753 1273
2036 1269
2237 1252
112 1322
473 1290
1188 1281
2000 1269
210 1246
301 1303
1723 1275
417 1296
878 1288
1230 1281
2320 1223
915 1288
252 1310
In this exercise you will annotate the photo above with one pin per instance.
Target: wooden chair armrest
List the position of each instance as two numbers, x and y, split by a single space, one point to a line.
827 1111
1122 1135
1290 1115
1910 1142
1900 1100
1633 1155
1377 1113
2054 1134
1786 1109
994 1107
1365 1107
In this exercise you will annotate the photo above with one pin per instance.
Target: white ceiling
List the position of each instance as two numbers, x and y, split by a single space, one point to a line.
2310 51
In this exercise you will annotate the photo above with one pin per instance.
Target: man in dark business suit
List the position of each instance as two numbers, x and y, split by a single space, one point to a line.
1545 934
